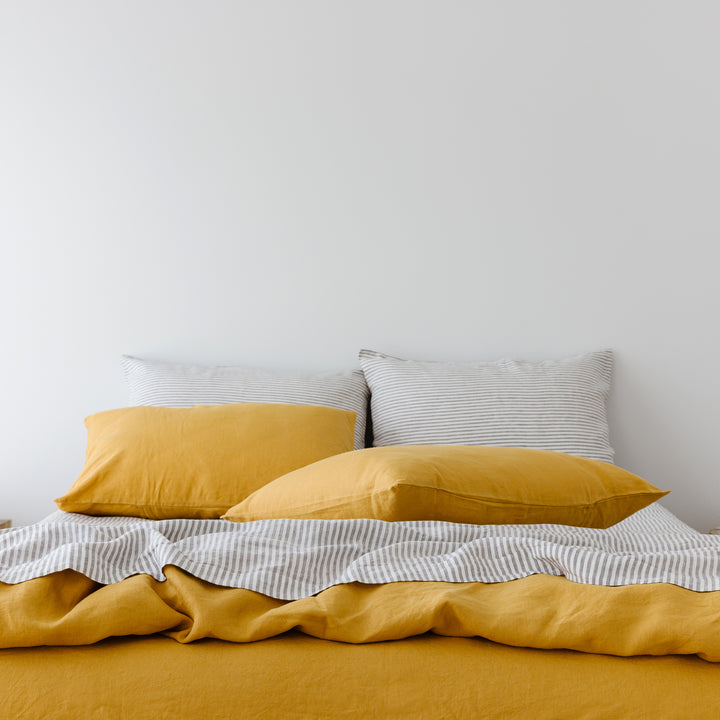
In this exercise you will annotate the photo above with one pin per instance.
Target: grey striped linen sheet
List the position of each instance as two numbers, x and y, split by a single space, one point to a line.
292 559
165 384
551 405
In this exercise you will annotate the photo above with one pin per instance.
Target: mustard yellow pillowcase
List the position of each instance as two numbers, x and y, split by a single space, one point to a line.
456 483
196 462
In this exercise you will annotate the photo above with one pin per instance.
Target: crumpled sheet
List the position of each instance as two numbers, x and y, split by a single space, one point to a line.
539 611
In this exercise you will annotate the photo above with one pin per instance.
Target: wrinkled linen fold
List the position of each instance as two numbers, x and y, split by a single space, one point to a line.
540 611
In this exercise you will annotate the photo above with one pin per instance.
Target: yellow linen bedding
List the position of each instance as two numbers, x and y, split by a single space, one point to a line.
539 611
295 676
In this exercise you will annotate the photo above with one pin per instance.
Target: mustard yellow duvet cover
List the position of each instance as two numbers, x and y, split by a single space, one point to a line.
538 611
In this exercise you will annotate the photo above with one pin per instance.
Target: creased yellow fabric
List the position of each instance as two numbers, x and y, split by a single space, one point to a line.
539 611
453 483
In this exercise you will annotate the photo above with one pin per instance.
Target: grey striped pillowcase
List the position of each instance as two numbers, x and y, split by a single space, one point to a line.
174 385
552 405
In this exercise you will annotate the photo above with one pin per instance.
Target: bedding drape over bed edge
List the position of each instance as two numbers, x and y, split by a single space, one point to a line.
539 611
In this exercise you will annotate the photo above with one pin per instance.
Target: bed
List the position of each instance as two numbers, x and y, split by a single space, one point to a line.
337 581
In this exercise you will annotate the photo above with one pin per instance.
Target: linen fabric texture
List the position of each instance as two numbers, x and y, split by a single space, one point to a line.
292 559
151 382
156 462
454 483
552 405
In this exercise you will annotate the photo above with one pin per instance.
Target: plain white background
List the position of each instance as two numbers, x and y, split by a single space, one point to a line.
282 183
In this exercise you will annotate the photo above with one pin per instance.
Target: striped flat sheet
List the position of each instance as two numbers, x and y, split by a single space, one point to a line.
291 559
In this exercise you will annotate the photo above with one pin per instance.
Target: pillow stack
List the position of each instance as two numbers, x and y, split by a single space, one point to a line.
173 385
500 442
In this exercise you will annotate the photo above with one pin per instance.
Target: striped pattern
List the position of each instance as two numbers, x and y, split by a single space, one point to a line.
171 385
552 405
291 559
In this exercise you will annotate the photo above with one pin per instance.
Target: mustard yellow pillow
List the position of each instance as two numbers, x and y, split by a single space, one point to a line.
456 483
196 462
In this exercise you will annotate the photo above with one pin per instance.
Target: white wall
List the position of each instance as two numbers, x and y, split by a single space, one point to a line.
281 183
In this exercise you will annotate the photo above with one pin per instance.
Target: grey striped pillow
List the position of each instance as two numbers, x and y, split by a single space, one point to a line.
171 385
551 405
